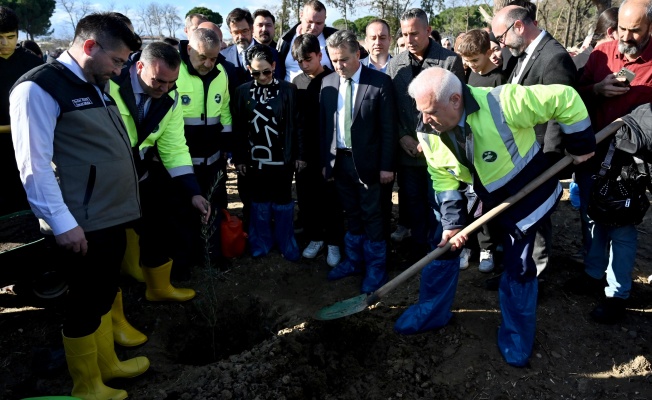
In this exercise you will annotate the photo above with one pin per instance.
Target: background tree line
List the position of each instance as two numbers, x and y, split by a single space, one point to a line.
569 21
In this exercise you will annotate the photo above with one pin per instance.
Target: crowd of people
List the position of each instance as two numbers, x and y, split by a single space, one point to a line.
121 151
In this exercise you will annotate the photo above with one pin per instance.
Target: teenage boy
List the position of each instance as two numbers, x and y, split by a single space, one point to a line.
318 202
475 49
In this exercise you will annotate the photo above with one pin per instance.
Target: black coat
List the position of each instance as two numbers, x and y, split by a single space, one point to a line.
549 64
286 111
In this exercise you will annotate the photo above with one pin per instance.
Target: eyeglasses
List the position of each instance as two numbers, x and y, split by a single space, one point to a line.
118 63
501 38
256 74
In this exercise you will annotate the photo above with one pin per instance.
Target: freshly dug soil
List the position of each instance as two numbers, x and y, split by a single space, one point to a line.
250 334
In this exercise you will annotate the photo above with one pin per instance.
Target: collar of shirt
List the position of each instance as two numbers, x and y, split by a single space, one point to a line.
530 49
355 78
253 41
644 57
135 83
367 63
66 59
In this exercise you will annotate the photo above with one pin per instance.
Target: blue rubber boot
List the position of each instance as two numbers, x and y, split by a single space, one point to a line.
284 231
353 258
436 295
375 254
260 229
518 304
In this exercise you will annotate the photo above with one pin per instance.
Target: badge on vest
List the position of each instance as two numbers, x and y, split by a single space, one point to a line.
81 102
218 98
489 156
185 99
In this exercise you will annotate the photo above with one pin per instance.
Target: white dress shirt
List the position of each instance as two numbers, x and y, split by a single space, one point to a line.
529 50
355 82
34 116
292 66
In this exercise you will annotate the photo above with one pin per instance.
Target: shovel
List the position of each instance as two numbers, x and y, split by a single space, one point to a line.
360 303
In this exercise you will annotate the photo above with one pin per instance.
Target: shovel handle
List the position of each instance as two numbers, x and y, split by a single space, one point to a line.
488 216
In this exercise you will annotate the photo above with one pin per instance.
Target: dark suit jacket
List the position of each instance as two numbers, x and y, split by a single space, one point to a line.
373 127
549 64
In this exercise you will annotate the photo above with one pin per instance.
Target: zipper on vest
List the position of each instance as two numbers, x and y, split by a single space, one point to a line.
90 185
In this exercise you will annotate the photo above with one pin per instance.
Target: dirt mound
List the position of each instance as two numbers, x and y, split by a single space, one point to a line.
250 334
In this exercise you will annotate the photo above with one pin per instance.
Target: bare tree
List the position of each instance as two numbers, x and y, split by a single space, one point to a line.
76 10
171 19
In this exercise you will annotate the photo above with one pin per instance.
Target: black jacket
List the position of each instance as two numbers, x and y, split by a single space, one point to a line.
286 110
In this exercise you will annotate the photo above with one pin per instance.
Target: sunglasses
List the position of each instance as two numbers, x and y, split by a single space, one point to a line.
256 74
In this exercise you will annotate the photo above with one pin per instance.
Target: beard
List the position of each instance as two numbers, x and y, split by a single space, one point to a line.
632 48
517 46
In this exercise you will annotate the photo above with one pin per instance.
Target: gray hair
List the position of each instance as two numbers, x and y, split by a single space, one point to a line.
161 51
189 17
343 38
415 13
206 36
438 82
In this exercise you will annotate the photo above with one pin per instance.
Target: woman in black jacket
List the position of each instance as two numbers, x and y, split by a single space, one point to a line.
267 149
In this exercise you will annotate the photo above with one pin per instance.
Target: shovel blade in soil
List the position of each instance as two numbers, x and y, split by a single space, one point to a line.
344 308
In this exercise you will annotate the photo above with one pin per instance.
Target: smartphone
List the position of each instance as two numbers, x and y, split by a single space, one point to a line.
625 76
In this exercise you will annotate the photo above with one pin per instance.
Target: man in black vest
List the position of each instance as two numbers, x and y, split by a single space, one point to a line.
83 187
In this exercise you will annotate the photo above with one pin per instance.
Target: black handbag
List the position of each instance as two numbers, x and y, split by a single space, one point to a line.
618 197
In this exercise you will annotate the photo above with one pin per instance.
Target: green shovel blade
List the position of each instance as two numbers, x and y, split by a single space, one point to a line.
343 308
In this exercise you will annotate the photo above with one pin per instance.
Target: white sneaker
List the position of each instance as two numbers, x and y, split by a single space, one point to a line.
464 258
333 258
486 261
400 233
313 249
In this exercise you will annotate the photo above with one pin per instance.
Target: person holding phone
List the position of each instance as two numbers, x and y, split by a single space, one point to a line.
610 92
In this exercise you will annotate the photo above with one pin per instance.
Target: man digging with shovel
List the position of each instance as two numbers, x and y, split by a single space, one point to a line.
484 138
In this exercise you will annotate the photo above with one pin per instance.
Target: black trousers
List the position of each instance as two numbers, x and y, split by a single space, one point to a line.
323 219
362 203
92 279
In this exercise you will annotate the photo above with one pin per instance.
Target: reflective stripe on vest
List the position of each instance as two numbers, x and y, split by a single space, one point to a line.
206 160
537 214
198 121
519 162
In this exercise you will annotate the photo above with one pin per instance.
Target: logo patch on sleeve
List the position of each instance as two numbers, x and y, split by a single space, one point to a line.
218 98
185 99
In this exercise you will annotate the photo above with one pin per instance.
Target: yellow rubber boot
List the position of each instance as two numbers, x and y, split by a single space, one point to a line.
110 366
123 333
81 355
131 260
159 287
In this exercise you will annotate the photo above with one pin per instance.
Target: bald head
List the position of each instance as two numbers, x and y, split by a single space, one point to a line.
634 27
514 28
212 26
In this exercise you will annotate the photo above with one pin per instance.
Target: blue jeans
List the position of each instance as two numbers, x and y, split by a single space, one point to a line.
613 250
584 180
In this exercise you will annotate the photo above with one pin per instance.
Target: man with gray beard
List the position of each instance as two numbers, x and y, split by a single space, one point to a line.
608 97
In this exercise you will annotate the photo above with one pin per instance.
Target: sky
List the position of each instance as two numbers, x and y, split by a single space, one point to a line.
61 21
